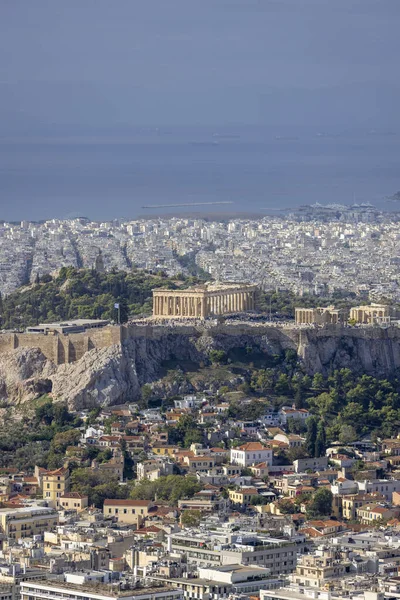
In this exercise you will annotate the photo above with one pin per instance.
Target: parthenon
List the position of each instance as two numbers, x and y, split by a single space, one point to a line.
203 301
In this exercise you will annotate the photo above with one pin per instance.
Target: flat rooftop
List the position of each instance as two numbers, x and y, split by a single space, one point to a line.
102 589
73 323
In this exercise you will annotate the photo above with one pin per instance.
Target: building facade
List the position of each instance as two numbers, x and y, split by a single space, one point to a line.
57 590
204 301
55 484
251 453
132 512
17 523
320 315
373 313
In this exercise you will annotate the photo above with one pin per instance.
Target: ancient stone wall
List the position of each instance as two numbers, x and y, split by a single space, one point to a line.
375 349
62 349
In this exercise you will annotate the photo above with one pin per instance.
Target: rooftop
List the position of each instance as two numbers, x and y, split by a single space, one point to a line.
101 589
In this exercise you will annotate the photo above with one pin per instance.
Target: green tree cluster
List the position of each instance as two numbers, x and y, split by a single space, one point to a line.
170 487
97 485
84 293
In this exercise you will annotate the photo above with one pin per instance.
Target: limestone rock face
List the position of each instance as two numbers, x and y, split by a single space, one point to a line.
115 374
100 377
24 374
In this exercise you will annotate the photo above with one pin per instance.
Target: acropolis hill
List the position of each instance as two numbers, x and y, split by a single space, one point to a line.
110 364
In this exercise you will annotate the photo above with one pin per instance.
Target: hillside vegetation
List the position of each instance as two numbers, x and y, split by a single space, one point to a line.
87 294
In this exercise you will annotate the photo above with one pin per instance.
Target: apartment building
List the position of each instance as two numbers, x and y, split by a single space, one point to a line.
17 523
73 501
251 453
55 484
132 512
214 583
278 555
57 590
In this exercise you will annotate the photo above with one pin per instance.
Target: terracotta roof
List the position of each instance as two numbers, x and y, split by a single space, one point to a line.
250 446
150 529
60 471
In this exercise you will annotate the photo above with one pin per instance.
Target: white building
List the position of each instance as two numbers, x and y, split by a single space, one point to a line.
58 590
291 412
251 453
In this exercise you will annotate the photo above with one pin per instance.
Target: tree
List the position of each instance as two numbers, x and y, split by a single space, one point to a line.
347 434
223 390
320 441
171 488
318 382
322 404
263 381
352 414
44 412
286 507
217 356
191 518
321 504
296 453
147 392
258 500
97 485
296 425
63 439
311 435
299 397
282 386
61 416
128 461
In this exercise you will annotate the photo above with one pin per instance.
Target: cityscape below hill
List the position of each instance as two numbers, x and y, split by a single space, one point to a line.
316 250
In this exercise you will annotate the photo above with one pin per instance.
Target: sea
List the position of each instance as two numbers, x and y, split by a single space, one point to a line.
258 171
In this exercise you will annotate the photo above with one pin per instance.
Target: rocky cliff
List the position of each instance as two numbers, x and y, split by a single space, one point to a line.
116 373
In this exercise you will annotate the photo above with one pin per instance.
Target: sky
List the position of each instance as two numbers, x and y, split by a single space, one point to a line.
78 66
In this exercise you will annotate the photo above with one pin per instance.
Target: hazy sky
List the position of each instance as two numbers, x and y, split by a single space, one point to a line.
69 65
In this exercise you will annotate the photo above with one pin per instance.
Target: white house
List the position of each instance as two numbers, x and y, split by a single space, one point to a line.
251 453
291 412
